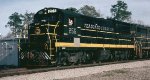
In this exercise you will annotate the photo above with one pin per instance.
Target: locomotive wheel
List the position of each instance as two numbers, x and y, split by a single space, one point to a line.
63 59
88 58
111 57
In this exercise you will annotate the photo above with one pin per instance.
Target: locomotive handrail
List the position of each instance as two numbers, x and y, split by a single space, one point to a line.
105 38
50 25
44 34
55 26
52 34
55 32
38 34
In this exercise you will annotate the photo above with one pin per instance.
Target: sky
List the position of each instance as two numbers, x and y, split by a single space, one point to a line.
139 8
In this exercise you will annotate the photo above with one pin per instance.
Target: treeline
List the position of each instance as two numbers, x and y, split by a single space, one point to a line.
19 23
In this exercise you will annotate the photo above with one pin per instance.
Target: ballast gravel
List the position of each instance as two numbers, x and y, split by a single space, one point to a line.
142 73
105 72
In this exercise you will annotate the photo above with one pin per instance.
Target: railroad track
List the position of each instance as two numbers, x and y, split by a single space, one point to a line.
22 71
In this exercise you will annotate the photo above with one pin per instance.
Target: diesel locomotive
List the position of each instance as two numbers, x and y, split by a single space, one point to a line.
62 37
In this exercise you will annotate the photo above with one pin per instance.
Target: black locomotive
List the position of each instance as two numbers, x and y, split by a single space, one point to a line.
63 37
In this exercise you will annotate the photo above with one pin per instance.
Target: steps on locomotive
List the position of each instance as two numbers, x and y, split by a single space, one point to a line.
52 55
52 49
53 62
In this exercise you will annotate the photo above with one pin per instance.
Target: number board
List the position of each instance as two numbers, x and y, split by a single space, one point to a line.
72 31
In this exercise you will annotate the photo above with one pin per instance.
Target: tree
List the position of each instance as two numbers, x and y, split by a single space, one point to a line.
72 9
9 35
18 23
27 19
15 23
119 11
140 22
89 11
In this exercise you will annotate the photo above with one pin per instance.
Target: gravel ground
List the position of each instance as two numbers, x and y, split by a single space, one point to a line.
121 71
142 73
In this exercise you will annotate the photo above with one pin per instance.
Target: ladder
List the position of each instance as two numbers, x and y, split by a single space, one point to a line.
52 39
